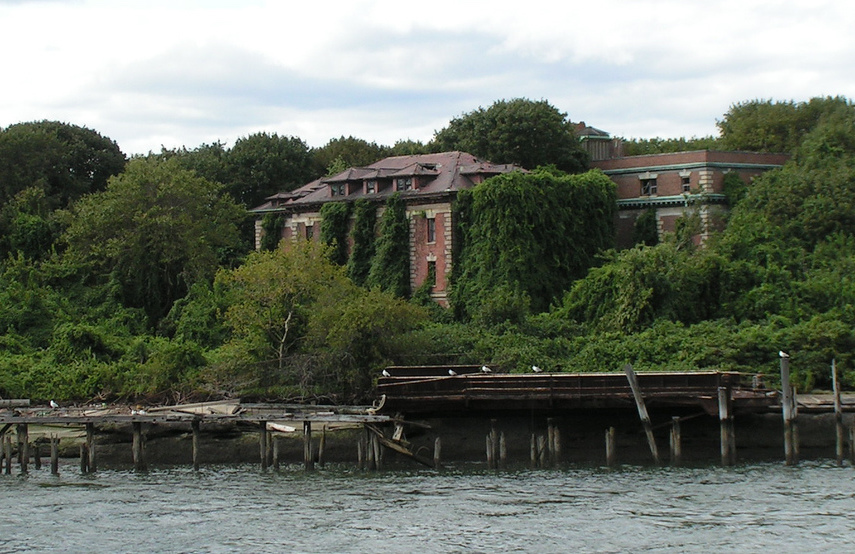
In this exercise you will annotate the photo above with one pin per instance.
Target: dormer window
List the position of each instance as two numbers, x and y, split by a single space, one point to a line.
404 183
371 186
337 189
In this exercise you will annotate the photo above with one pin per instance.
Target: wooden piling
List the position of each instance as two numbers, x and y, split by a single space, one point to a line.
725 417
308 458
787 411
37 455
263 435
838 414
642 410
490 460
494 444
90 446
138 447
378 453
54 456
437 453
503 450
322 446
8 443
542 451
851 445
84 458
23 447
360 453
533 450
676 442
550 440
276 463
194 426
611 451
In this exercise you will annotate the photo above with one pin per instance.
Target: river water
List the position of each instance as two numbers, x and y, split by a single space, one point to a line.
750 508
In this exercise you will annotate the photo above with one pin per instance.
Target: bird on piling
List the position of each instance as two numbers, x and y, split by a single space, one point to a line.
452 372
536 369
783 354
386 373
485 369
54 405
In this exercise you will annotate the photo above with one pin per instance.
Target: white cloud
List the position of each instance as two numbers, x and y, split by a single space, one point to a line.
148 73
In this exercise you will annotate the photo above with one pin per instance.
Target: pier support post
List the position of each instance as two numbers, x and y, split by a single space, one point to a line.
838 415
378 453
725 416
23 447
611 452
138 447
542 453
262 443
90 446
642 410
503 450
84 458
54 456
437 453
194 426
308 459
322 446
8 445
787 412
676 442
276 462
533 450
554 441
37 455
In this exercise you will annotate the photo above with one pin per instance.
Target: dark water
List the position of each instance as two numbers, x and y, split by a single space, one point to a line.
752 508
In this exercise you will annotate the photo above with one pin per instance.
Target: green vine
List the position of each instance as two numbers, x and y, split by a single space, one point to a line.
272 225
390 268
335 219
362 235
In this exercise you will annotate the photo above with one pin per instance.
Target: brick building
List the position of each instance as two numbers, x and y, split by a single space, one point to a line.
428 184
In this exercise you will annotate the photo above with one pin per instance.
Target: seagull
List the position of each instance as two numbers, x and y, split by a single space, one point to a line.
386 373
53 404
485 369
783 354
452 372
536 369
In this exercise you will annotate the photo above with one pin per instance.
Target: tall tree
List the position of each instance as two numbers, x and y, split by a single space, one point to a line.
155 230
347 152
263 164
519 131
63 160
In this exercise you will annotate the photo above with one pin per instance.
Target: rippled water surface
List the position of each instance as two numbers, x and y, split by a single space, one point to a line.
751 508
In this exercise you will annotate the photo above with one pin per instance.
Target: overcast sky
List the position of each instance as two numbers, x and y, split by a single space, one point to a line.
176 73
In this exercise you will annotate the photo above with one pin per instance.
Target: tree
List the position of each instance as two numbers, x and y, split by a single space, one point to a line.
155 230
347 152
519 131
263 164
63 160
532 235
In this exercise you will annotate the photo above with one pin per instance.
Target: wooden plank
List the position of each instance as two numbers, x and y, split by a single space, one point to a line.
398 447
642 411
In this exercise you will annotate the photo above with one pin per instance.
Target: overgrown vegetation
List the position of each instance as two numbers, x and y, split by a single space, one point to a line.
132 280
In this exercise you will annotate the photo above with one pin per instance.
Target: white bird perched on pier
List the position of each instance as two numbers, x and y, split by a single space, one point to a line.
783 354
485 369
54 405
386 373
452 372
536 369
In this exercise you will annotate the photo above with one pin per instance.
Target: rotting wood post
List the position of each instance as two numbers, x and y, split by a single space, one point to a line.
378 453
503 450
369 450
795 411
275 438
322 446
556 445
838 415
8 443
851 446
787 411
494 445
37 455
54 456
610 447
194 426
543 455
90 446
23 447
725 420
533 450
489 443
138 447
676 442
437 453
642 411
360 454
308 459
84 458
262 443
550 440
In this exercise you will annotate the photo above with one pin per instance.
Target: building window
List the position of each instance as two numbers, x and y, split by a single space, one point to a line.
310 232
404 183
687 184
337 189
371 186
648 187
431 229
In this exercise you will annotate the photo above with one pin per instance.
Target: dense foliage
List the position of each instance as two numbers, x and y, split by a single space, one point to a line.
133 286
